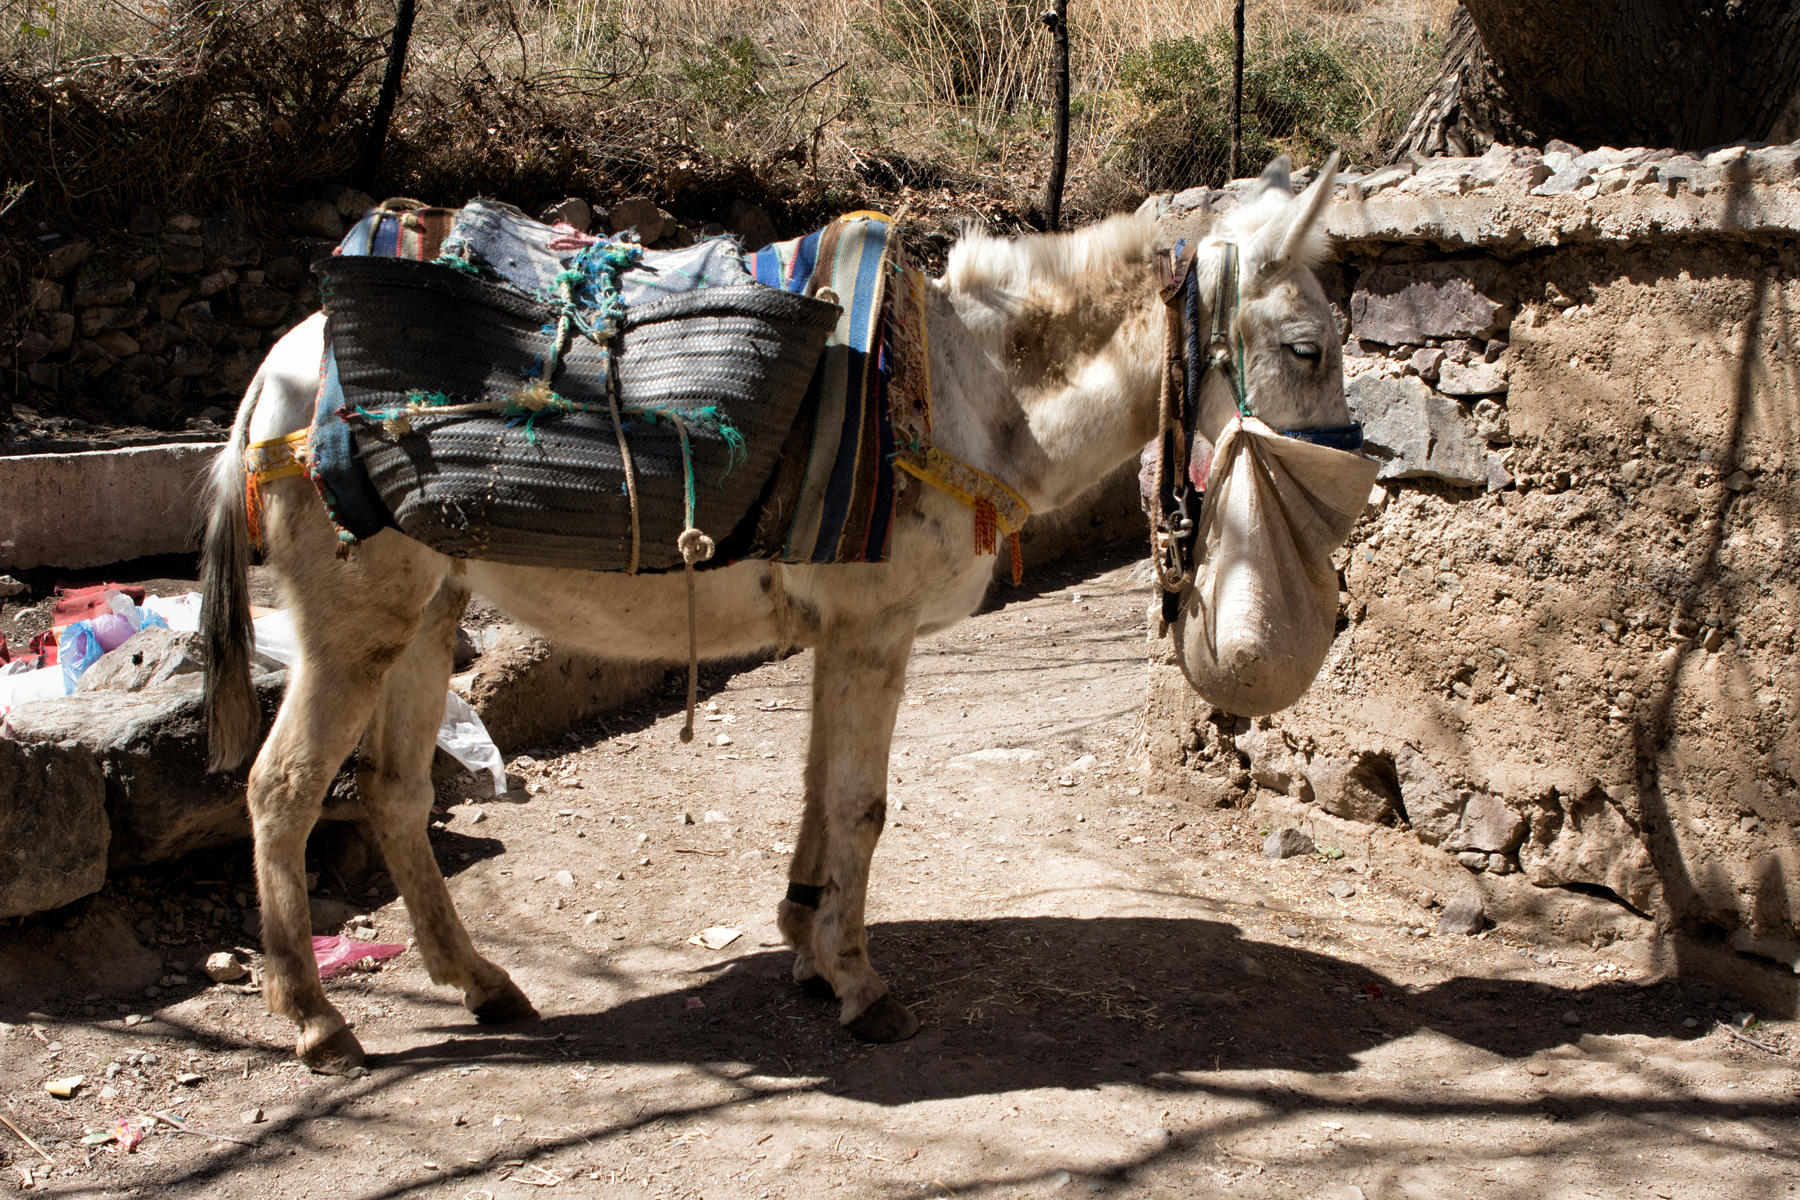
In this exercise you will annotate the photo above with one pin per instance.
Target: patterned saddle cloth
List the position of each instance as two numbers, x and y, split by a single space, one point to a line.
506 390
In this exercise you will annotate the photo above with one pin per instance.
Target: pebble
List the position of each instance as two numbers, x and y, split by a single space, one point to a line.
224 967
1538 1069
1690 1022
565 878
1292 931
1465 914
1287 843
253 1116
1571 1017
1343 889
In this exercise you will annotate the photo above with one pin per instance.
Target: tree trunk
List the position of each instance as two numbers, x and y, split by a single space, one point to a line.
1682 73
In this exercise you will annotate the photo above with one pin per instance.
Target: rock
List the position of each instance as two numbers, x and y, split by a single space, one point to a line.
528 691
1420 433
98 284
10 587
183 253
253 1116
1472 379
320 219
1426 362
60 327
574 212
101 319
1343 889
216 282
197 321
651 223
1466 914
751 223
150 749
285 272
1287 843
229 242
225 967
1433 806
1405 304
352 203
32 346
326 915
46 294
263 306
1489 825
66 257
1002 759
1591 842
1569 179
565 879
1362 789
147 659
118 344
53 828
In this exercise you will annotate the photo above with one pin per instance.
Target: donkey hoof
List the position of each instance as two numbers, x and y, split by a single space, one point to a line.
817 987
504 1006
339 1054
886 1020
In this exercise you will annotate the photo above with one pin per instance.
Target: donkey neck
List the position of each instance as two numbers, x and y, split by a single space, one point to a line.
1084 365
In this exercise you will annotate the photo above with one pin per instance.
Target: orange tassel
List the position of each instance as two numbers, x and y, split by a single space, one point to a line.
986 524
253 509
1018 560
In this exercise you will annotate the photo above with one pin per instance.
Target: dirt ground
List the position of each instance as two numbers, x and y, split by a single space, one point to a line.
1121 997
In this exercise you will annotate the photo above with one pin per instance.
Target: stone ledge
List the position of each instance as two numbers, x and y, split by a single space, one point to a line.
100 507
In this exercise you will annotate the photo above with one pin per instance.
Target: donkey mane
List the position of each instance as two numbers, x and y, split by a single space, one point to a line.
996 269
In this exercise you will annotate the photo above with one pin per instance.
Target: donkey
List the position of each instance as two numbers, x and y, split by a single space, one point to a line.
1046 354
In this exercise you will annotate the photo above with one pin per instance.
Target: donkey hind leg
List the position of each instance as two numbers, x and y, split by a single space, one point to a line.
321 718
393 779
859 674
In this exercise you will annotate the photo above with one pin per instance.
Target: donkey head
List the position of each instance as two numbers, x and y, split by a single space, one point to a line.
1280 333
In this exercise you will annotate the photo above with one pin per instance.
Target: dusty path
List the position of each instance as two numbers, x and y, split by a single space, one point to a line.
1121 998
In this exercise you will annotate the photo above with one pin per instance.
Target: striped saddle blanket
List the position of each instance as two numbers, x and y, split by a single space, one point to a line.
815 484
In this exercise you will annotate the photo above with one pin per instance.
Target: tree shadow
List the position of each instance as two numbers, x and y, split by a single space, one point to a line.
1182 1006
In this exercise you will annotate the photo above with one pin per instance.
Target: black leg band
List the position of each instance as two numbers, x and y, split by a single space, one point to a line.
805 894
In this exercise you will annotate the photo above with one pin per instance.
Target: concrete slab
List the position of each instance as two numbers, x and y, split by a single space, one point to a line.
98 507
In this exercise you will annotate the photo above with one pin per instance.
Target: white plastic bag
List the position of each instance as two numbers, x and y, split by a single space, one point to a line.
1253 628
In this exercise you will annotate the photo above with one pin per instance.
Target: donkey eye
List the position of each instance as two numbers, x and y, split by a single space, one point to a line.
1304 350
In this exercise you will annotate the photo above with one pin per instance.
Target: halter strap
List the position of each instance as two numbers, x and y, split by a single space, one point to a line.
1174 519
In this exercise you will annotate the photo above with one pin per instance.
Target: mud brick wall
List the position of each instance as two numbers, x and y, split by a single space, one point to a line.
1566 666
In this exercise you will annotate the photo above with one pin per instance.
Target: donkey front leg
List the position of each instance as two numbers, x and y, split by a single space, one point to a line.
859 673
394 781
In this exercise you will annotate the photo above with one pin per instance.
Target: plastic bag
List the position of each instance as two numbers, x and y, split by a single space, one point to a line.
1254 627
82 643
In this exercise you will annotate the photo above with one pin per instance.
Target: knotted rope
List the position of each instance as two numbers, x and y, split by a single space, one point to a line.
695 547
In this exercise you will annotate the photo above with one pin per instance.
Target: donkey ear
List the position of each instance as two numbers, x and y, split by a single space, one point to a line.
1276 176
1293 237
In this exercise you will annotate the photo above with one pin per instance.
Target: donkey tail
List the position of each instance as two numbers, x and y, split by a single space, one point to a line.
233 715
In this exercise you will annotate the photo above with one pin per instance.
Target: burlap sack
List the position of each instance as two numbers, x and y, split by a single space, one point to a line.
1255 625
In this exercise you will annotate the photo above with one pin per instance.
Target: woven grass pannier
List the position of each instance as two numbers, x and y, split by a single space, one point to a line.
549 489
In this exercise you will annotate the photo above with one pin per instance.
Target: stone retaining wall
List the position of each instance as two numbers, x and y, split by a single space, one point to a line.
1566 661
163 323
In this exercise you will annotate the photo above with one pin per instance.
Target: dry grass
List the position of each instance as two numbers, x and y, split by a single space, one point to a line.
813 103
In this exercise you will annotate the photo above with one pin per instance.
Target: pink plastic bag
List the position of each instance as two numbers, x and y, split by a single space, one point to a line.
336 955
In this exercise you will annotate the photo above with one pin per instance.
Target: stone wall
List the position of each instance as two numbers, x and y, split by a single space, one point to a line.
1566 661
162 324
